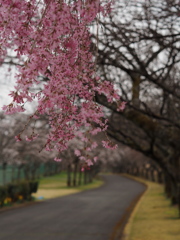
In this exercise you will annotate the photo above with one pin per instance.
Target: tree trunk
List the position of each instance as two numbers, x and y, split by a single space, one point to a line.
136 80
146 173
75 173
85 176
26 172
19 173
69 175
90 175
4 172
160 176
171 189
152 178
13 173
80 176
179 198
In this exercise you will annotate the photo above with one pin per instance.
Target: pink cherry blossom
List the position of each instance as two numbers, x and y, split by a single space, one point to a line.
57 159
77 152
18 138
51 39
32 137
109 144
121 106
89 162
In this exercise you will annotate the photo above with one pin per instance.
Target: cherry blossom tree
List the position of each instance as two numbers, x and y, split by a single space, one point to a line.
51 40
7 151
19 159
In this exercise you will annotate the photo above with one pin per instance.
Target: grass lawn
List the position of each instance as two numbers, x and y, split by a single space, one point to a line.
153 218
55 186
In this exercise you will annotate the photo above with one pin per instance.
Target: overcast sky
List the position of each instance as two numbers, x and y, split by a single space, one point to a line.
7 82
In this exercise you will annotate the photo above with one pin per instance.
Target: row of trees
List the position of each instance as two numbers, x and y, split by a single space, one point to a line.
20 160
20 155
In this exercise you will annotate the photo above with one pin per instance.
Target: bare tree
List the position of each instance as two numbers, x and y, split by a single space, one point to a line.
139 51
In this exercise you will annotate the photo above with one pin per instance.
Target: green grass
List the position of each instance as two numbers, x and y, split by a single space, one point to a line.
55 186
153 218
59 180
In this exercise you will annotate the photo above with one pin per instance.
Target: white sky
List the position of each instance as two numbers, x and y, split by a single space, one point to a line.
7 82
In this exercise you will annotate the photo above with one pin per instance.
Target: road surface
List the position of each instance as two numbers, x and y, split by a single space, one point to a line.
89 215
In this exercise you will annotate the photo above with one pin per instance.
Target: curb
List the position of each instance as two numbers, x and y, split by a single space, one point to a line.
118 231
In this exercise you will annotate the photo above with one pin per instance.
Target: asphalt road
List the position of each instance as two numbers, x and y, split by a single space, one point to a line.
89 215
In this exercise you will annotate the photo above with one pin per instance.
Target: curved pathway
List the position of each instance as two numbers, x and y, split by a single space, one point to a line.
89 215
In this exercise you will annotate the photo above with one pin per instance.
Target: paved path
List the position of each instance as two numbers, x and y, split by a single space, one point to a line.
89 215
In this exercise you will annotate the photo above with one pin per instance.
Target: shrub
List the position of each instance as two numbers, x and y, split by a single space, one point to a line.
13 191
3 194
24 190
18 191
33 186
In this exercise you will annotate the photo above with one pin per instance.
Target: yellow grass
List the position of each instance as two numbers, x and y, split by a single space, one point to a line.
153 218
53 193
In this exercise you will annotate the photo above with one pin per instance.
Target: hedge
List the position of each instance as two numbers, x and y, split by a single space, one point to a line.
18 191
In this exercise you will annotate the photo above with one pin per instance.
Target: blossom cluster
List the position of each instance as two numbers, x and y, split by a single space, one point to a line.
52 41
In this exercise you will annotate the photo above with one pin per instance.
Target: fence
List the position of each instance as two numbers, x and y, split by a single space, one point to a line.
11 173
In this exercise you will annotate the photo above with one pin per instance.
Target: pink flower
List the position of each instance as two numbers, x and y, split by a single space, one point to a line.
57 159
108 144
89 162
94 145
16 98
18 138
77 152
122 106
95 131
71 44
32 137
28 139
53 41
